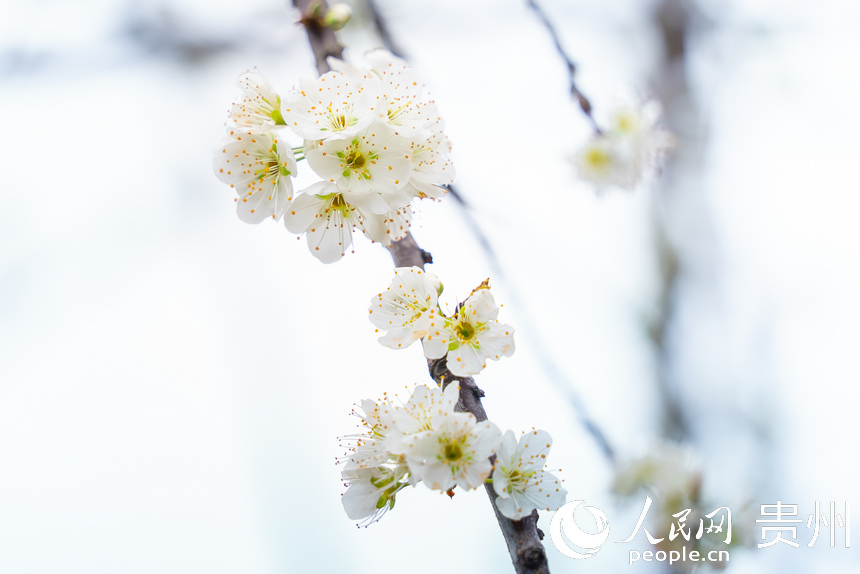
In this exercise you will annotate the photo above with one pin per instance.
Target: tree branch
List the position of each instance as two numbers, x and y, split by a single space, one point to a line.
551 370
575 92
323 41
522 537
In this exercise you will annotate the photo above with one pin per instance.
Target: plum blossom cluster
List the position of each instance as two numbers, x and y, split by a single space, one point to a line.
371 135
408 311
426 440
671 476
633 145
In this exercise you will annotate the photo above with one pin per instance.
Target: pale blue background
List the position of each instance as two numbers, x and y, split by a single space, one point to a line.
172 380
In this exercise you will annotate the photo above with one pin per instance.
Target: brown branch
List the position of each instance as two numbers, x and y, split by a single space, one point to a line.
522 537
323 41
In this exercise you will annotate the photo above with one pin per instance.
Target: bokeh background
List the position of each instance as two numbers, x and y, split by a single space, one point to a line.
172 380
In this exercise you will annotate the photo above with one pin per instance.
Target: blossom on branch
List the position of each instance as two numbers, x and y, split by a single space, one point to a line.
454 453
332 106
422 440
634 145
258 109
259 167
327 219
407 309
472 336
374 164
519 479
370 132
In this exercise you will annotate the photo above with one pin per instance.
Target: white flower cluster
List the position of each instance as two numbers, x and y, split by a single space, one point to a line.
425 440
634 144
670 471
672 477
369 133
408 310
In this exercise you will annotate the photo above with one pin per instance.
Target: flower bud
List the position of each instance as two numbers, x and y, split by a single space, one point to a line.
337 16
434 281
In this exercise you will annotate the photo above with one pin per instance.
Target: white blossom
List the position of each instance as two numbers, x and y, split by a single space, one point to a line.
431 166
258 109
633 145
326 217
259 167
640 126
335 105
426 409
471 336
372 167
454 453
402 102
604 162
395 226
371 491
370 446
407 309
519 479
670 471
375 466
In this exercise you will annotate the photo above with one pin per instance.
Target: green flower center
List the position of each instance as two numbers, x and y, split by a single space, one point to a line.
453 451
518 479
337 121
356 160
465 331
271 167
339 204
598 158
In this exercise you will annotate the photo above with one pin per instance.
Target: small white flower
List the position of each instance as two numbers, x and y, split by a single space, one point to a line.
407 309
670 471
634 144
604 162
372 166
258 109
259 167
426 409
395 226
454 453
647 139
471 336
335 105
519 479
323 213
431 166
371 491
401 103
369 447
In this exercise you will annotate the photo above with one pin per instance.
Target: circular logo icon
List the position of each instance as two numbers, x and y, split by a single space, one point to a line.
563 521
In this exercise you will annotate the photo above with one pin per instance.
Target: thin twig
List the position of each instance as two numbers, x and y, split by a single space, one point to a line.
382 29
575 92
552 371
523 538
